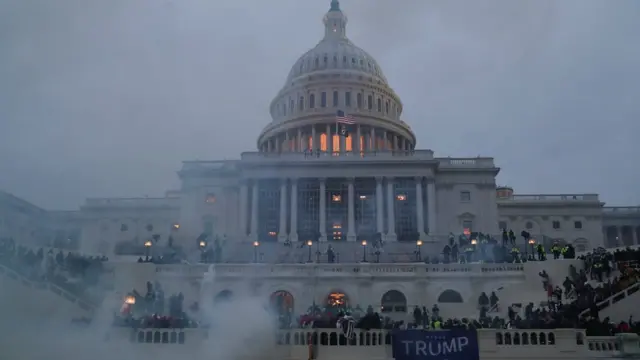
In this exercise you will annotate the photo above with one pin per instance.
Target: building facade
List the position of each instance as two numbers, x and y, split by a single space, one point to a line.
311 179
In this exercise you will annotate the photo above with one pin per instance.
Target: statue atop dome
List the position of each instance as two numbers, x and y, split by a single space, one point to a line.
335 5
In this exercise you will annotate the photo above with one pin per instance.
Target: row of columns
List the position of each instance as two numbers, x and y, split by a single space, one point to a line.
298 140
619 238
351 235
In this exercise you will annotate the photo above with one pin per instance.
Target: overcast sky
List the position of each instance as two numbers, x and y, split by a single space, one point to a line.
106 98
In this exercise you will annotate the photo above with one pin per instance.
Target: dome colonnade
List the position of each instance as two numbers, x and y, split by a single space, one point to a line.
336 75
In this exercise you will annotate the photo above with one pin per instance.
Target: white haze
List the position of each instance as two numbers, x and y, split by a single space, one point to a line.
241 328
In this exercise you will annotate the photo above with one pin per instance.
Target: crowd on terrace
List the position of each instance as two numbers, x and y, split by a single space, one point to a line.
72 272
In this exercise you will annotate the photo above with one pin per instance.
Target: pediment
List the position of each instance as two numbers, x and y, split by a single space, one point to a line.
466 215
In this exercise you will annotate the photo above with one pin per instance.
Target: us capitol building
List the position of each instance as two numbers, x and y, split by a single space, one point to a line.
307 182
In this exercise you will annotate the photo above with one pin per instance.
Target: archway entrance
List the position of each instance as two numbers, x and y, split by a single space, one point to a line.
393 301
282 302
223 296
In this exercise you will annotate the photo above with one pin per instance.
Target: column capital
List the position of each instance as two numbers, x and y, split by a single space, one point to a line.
294 179
379 179
431 180
351 180
322 180
419 178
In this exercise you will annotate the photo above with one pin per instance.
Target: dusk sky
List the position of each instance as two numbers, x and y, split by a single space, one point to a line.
106 98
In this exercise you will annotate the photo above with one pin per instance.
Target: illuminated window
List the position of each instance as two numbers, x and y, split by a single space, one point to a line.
362 144
401 197
210 199
337 226
323 142
336 198
310 143
336 143
349 143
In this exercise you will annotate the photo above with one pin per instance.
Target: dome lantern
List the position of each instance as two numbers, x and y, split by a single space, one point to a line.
335 22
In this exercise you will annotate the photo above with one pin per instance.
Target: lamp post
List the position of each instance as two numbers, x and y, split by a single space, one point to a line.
418 250
255 251
532 244
309 245
202 245
364 250
147 248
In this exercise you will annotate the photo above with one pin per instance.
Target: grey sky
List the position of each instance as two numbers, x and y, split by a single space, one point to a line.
106 98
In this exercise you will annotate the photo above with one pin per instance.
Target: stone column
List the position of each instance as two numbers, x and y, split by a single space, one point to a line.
391 217
282 229
351 213
357 146
323 210
374 142
300 145
314 139
329 139
379 206
254 211
431 207
420 209
287 142
619 240
293 234
244 197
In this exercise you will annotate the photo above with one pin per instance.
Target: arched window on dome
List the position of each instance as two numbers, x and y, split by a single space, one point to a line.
359 101
312 101
291 105
335 99
323 99
301 103
316 63
284 109
347 99
379 105
335 61
370 102
387 107
325 61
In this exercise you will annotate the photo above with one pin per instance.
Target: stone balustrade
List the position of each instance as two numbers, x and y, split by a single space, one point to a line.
410 270
331 343
553 197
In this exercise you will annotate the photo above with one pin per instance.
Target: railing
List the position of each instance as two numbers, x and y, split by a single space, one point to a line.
345 270
337 156
516 343
622 209
559 197
46 286
132 202
615 297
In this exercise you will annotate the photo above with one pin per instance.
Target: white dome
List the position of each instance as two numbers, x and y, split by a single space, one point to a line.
335 51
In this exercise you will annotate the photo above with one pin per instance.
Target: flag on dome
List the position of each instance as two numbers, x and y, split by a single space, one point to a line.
343 118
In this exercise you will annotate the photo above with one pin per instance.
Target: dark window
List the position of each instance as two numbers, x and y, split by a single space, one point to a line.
502 225
577 224
317 63
556 225
465 196
323 99
379 105
347 98
387 107
335 99
370 102
301 103
312 101
359 101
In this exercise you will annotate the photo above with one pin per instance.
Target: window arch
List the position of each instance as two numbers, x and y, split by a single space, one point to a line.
393 301
282 302
312 101
450 296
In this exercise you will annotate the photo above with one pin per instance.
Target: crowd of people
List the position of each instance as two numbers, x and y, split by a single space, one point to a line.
72 272
154 310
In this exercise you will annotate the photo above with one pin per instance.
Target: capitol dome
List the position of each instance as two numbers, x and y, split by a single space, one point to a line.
336 76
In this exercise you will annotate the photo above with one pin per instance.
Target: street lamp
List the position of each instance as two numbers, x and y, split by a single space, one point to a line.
474 242
130 300
532 243
309 245
364 250
418 250
202 244
147 248
255 251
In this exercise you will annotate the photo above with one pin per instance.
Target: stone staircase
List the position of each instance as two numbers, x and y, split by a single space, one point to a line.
44 298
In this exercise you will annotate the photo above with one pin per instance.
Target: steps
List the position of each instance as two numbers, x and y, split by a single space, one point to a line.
620 306
44 299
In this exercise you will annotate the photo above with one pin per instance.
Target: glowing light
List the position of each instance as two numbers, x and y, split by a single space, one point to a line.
419 243
401 197
148 243
336 198
256 243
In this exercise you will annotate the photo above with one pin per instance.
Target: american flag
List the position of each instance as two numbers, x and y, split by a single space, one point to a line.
342 118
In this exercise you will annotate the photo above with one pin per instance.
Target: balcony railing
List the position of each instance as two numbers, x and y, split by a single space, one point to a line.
131 202
622 209
553 197
513 343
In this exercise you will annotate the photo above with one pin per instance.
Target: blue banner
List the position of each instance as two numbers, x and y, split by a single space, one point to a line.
436 345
